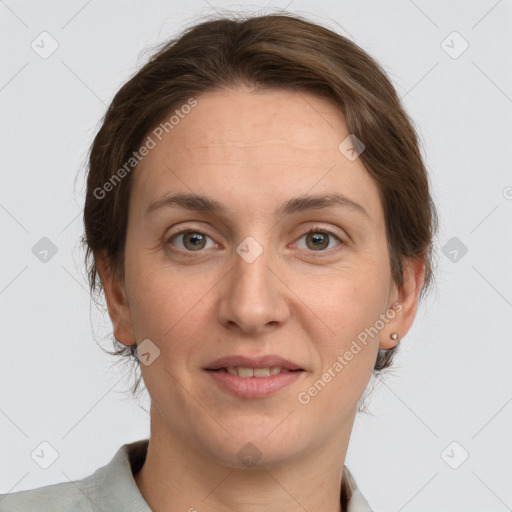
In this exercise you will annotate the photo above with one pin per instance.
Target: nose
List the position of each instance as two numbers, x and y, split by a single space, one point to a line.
253 295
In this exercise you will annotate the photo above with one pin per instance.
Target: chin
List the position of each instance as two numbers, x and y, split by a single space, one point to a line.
252 447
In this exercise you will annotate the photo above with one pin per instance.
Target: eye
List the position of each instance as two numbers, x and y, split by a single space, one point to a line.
191 240
318 239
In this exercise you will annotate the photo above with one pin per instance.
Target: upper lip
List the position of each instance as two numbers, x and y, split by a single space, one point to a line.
266 361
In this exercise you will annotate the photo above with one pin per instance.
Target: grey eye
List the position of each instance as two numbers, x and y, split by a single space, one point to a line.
191 240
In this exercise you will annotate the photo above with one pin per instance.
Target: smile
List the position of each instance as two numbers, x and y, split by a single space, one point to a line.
245 382
241 371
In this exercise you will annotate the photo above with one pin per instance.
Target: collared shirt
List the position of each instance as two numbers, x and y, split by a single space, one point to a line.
112 488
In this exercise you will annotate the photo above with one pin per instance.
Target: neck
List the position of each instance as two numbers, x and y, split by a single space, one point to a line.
176 476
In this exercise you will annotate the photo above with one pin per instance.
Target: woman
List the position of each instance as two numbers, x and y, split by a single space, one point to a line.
259 219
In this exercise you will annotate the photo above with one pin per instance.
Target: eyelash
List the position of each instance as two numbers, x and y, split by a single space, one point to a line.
315 229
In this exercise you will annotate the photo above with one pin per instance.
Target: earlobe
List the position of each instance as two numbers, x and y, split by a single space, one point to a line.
392 342
406 304
117 303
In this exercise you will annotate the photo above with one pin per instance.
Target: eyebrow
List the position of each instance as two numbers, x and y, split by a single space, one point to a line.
295 204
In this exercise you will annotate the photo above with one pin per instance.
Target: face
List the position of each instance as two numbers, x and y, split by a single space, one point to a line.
258 277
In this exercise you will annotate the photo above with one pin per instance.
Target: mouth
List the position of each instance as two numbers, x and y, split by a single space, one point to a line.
245 372
254 377
253 366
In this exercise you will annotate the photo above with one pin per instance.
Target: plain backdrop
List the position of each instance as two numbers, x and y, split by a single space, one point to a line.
439 433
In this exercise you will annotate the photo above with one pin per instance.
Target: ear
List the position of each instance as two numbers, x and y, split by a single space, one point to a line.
117 303
407 297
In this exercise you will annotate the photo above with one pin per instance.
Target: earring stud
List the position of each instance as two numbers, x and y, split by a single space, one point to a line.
394 336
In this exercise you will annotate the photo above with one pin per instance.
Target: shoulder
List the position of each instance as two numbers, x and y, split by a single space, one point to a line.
61 497
111 487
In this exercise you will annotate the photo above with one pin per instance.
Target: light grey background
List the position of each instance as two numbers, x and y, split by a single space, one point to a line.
452 379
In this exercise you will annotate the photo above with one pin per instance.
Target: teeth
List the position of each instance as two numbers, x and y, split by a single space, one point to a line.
256 372
262 372
245 372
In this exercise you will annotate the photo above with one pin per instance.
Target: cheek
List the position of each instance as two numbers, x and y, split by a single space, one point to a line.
167 307
347 306
346 301
347 349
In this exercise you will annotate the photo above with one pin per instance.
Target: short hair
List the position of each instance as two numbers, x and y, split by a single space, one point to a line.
273 51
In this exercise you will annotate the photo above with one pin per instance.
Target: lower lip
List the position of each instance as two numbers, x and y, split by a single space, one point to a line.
254 387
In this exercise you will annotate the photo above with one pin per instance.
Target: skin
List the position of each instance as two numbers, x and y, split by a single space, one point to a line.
253 150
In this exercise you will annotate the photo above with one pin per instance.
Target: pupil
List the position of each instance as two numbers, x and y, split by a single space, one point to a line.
319 240
194 237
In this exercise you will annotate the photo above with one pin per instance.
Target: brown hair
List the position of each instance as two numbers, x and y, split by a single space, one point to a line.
268 51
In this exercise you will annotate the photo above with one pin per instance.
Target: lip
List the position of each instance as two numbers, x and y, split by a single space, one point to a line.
253 362
254 387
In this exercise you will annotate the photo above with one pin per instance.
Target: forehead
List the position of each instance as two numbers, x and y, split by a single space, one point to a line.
254 148
245 120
